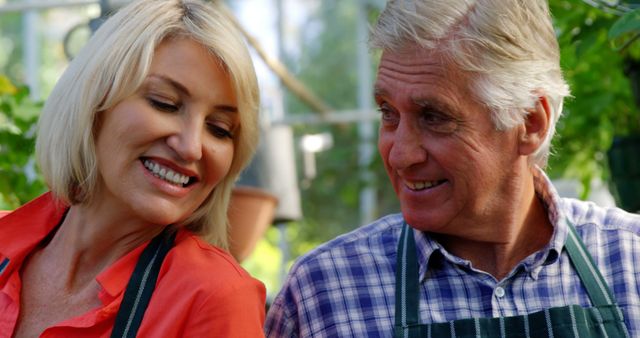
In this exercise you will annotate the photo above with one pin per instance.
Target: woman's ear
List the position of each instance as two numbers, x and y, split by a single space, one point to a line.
535 127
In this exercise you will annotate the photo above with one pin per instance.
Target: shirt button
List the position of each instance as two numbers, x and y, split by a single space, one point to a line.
499 292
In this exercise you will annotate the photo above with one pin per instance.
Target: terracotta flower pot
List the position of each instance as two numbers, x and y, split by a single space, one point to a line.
250 213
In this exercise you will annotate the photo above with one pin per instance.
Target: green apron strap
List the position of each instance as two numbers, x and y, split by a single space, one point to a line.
602 320
140 287
594 282
407 291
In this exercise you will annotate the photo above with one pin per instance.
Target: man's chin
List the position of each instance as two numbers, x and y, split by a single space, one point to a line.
424 221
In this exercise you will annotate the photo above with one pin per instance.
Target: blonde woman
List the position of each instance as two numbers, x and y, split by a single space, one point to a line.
140 143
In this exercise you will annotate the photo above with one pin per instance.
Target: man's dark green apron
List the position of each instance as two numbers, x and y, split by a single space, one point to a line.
604 319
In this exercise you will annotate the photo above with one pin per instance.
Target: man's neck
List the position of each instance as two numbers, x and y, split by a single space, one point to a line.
521 232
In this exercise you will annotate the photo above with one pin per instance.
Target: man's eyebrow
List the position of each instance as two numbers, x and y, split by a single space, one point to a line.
377 91
432 103
425 102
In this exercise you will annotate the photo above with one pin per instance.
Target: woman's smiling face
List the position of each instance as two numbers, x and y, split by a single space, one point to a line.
162 151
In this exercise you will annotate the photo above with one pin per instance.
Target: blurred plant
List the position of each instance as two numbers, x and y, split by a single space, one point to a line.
19 181
625 31
623 35
327 64
602 105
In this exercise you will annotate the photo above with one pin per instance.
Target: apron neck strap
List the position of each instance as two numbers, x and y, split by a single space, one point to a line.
590 275
407 278
138 293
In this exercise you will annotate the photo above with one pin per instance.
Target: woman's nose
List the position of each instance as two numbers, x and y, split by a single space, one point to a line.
187 140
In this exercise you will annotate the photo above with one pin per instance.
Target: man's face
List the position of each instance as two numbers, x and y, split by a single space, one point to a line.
451 169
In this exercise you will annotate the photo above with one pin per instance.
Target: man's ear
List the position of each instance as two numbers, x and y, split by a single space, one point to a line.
535 127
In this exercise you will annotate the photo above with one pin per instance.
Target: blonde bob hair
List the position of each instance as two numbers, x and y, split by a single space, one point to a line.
111 67
508 47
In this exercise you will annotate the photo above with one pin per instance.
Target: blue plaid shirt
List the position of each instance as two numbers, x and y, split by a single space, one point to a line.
345 288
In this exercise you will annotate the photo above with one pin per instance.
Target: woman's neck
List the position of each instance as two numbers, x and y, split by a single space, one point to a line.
91 238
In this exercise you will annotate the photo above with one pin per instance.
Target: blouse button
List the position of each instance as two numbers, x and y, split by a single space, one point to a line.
499 292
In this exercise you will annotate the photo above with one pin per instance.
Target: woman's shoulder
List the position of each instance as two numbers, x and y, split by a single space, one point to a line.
206 293
197 264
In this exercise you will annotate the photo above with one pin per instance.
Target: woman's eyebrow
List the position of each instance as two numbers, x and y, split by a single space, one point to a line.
185 91
226 108
173 83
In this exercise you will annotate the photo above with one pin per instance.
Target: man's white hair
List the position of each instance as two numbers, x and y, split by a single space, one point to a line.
508 47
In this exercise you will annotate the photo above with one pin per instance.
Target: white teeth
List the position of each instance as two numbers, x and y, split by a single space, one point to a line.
166 173
422 185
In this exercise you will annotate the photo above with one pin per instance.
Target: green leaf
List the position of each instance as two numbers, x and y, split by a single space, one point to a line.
7 125
6 108
6 87
630 22
21 94
586 44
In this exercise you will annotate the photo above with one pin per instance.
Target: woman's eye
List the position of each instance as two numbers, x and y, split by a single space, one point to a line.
219 131
163 105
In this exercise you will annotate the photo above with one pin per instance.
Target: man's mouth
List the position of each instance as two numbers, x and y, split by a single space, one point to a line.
422 185
167 174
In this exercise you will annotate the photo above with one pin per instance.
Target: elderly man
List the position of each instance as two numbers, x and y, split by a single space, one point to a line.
469 93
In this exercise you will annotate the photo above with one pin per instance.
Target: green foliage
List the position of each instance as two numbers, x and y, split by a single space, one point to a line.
602 105
19 181
627 27
11 45
328 64
262 265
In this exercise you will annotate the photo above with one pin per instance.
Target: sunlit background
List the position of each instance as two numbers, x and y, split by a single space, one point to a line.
318 155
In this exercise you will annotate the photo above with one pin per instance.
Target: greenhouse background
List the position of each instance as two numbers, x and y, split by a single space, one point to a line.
318 155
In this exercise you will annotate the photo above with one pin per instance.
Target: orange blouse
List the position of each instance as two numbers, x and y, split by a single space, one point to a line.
201 291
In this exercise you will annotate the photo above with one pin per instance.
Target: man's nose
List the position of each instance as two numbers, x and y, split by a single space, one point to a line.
407 146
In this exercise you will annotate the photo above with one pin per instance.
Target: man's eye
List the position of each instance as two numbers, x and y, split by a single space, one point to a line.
219 131
163 106
387 115
439 123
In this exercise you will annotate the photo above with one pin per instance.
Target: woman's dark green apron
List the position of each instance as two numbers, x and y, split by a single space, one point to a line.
604 319
141 285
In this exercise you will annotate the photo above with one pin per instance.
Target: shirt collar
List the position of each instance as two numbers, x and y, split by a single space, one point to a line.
553 205
426 247
429 249
114 278
23 229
